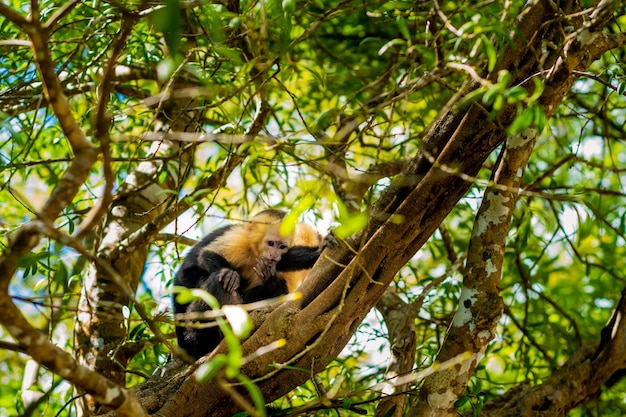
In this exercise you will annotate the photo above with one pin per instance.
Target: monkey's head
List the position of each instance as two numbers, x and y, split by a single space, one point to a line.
268 243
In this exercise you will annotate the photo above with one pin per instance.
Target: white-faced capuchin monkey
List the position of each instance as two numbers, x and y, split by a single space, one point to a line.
244 263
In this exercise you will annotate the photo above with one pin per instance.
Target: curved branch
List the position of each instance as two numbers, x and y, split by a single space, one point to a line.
13 15
578 380
97 212
55 359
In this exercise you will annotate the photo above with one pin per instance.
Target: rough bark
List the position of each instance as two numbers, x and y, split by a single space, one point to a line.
400 324
100 325
480 305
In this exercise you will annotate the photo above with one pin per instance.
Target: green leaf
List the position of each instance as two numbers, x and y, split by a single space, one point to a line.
492 93
461 401
70 225
539 118
162 177
60 274
184 295
137 331
472 97
255 393
42 283
239 320
475 386
504 77
207 297
350 224
497 106
289 6
216 27
516 94
288 224
347 403
522 121
490 51
403 27
208 370
391 43
235 355
167 20
32 259
539 87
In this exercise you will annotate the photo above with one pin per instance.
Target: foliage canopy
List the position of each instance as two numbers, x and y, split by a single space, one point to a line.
470 156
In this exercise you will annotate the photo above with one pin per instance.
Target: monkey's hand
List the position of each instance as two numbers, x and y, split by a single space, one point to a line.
230 279
266 271
329 241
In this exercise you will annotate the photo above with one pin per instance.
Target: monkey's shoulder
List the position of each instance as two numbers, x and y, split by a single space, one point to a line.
217 238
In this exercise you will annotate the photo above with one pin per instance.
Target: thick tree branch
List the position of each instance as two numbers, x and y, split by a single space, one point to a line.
12 15
53 90
480 305
401 329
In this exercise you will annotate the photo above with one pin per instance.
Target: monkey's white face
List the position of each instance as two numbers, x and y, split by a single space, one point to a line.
274 247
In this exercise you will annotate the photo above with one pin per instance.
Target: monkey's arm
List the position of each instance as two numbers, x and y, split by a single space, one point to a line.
199 341
298 258
304 257
220 270
329 241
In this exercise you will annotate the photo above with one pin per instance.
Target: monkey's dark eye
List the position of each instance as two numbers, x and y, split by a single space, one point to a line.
270 243
283 247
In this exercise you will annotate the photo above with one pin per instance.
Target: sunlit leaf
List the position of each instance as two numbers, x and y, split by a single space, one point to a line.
208 370
490 50
239 320
350 224
403 27
522 121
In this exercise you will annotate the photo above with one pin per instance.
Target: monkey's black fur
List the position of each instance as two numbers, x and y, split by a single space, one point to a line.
206 270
